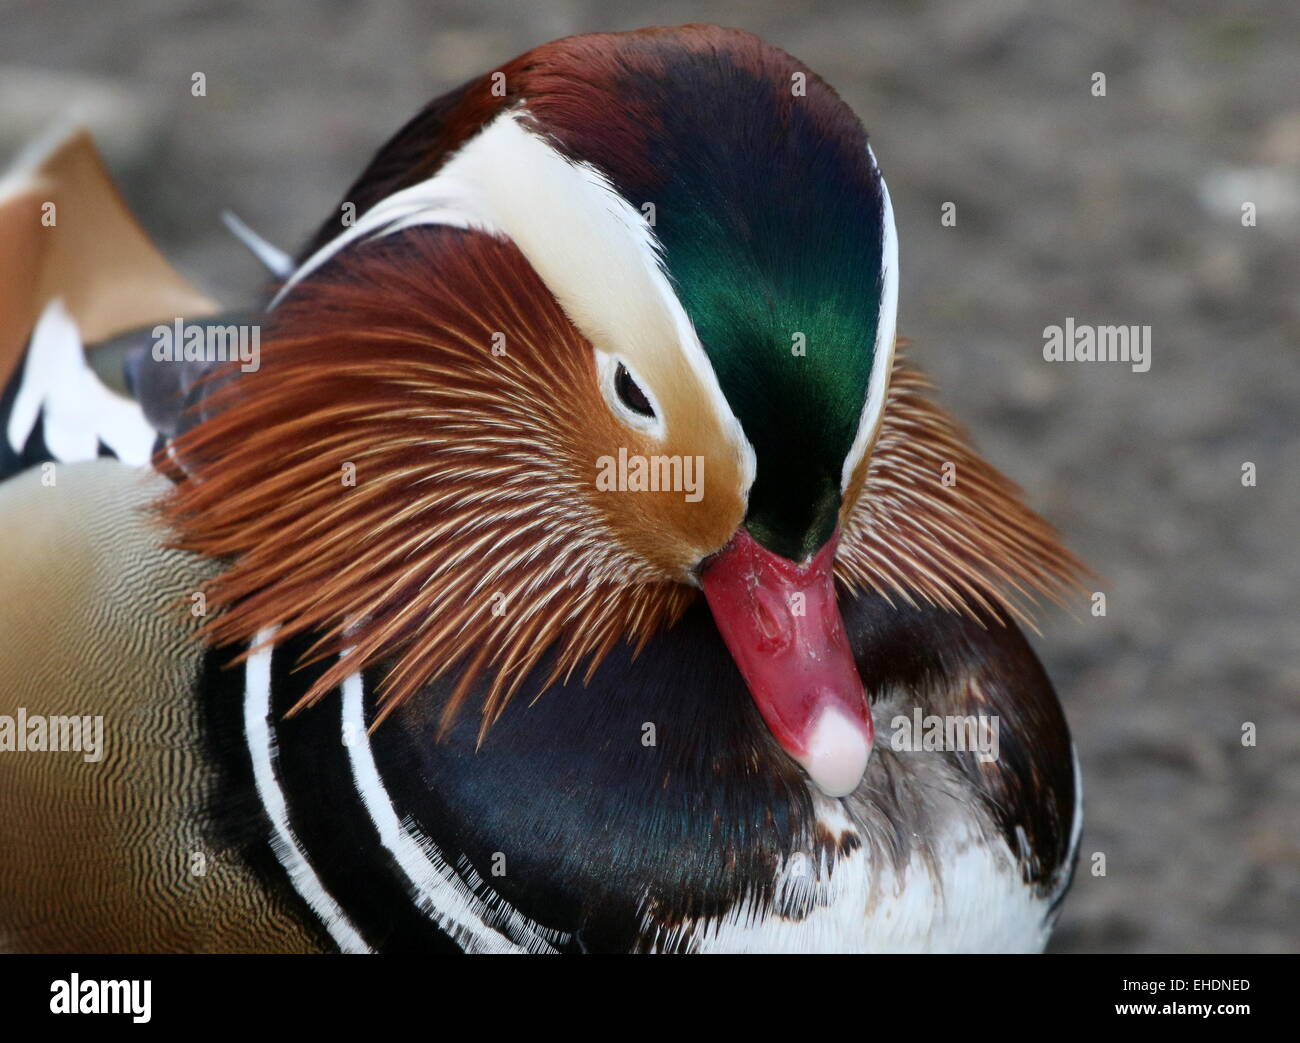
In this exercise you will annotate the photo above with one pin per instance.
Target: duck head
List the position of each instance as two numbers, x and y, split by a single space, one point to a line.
607 327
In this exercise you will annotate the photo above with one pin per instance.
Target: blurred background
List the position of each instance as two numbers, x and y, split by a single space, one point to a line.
1123 209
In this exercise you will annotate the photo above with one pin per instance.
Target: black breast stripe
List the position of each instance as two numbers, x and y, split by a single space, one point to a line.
236 823
331 822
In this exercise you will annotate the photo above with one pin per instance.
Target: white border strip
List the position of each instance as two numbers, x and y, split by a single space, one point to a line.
262 749
886 327
442 895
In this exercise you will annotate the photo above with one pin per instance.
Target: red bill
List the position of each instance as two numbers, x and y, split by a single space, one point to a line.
781 623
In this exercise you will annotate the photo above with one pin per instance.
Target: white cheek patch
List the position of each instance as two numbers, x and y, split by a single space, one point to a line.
591 247
886 325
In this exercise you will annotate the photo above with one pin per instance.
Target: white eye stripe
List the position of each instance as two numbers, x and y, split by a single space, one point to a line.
886 326
591 247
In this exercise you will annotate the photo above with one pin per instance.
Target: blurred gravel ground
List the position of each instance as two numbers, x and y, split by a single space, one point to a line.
1123 209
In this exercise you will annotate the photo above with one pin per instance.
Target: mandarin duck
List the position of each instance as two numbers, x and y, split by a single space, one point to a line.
564 571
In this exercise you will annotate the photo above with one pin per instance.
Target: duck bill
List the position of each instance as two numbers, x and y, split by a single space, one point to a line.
781 623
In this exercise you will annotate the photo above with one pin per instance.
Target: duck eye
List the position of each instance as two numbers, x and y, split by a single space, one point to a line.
630 393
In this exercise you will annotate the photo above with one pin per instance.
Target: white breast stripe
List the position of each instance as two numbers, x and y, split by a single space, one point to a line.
886 327
591 247
443 895
1076 829
79 411
261 748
